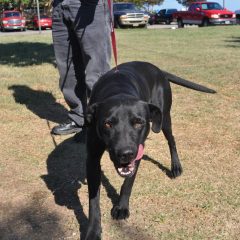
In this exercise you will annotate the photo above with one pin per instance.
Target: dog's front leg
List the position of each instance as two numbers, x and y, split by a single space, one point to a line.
95 150
121 211
176 167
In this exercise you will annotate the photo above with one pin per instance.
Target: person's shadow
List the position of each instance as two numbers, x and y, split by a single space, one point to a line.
41 103
67 162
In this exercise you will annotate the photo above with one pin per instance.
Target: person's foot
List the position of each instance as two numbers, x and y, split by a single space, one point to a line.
66 128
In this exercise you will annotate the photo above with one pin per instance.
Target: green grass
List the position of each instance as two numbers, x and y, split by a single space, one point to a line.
41 190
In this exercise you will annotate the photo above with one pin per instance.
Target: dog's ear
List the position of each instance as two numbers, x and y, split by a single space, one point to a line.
156 118
90 114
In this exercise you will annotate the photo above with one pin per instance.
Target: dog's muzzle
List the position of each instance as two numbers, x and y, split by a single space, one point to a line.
128 169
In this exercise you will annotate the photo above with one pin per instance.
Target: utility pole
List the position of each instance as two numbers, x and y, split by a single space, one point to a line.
223 3
38 15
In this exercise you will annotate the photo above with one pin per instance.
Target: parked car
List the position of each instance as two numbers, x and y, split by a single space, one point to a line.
238 16
205 14
127 14
12 20
163 16
45 22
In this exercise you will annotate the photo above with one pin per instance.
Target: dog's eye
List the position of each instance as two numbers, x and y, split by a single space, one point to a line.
108 124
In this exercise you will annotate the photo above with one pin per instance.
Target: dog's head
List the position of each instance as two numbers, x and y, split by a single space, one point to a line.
123 125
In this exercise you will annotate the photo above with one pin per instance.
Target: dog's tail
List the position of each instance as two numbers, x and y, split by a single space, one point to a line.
185 83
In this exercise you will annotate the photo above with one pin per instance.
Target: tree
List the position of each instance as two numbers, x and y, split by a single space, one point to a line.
144 4
141 3
149 4
21 4
186 2
46 4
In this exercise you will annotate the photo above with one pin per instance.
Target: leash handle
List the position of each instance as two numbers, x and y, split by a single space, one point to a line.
113 36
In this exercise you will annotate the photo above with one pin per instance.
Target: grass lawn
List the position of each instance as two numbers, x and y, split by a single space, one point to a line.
43 194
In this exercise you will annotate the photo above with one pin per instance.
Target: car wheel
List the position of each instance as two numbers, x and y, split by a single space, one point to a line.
180 23
116 24
143 26
167 21
205 22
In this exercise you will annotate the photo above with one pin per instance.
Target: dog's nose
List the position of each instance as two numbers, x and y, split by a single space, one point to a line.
126 156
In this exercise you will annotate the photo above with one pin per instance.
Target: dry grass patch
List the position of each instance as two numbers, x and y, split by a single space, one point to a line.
43 194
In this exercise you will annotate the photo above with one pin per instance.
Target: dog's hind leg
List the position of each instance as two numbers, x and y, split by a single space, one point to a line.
121 211
176 167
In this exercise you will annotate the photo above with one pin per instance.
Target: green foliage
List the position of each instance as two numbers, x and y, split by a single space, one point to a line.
14 2
142 2
21 4
186 2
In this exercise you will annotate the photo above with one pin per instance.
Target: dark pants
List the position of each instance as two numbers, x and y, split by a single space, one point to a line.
81 39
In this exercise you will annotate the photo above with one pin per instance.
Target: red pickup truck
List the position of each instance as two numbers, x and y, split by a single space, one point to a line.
12 20
204 14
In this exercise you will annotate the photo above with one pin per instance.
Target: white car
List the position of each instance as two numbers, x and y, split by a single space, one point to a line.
127 14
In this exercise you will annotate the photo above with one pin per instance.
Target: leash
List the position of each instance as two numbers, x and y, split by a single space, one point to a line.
53 139
113 36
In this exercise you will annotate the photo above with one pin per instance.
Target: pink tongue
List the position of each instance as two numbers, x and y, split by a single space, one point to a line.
140 152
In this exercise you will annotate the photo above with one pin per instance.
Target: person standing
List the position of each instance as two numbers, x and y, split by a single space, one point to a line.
82 46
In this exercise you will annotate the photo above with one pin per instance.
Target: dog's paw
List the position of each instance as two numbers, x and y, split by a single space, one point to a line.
93 236
93 233
120 213
176 170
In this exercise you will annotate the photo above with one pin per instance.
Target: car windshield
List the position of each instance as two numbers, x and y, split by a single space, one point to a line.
122 7
211 6
12 14
171 10
44 16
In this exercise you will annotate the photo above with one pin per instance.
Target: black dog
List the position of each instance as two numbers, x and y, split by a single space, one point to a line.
122 104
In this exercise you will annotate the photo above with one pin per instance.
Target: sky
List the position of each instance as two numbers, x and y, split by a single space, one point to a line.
229 4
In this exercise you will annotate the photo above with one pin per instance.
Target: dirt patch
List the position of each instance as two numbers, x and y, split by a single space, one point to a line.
43 194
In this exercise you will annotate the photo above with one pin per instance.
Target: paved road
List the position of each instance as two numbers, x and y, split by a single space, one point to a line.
162 26
169 26
31 32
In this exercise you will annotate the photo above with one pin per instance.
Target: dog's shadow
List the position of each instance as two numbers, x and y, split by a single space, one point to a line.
66 172
159 165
